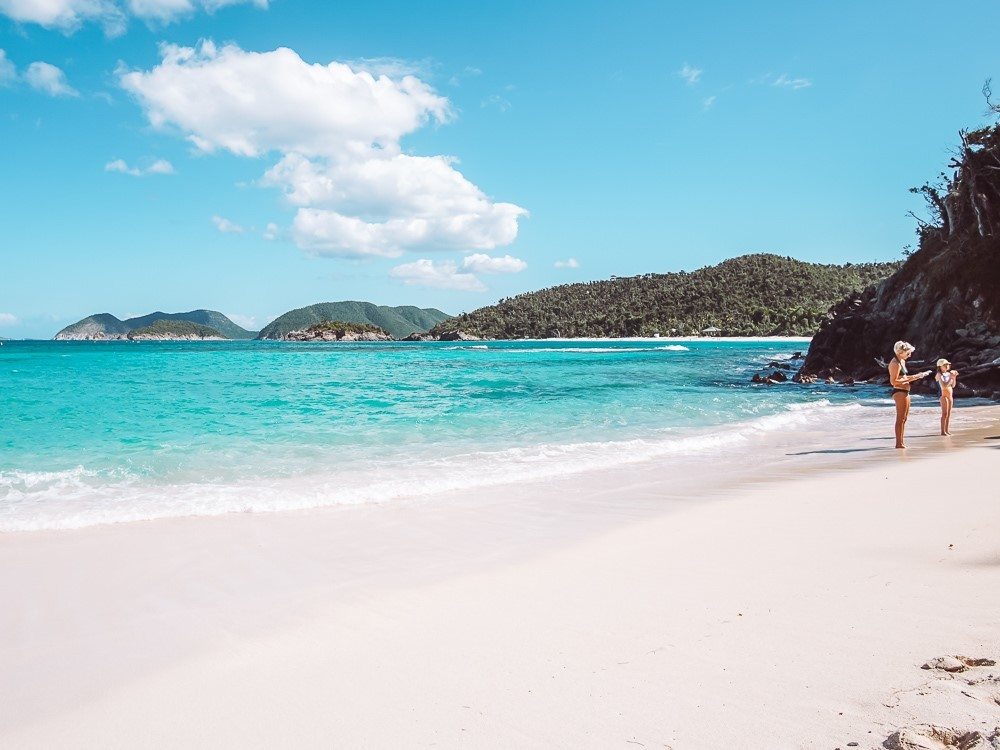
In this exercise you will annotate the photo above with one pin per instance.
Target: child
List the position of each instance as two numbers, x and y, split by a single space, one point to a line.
946 379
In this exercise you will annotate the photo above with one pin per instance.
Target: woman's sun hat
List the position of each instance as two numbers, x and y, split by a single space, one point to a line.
943 361
903 346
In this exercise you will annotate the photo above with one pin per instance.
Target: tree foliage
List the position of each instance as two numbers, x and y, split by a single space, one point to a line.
753 295
176 328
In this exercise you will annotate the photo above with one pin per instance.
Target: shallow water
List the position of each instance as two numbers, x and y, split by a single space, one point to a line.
95 432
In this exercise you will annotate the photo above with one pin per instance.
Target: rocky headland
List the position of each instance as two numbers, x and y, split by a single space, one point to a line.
336 330
442 336
945 299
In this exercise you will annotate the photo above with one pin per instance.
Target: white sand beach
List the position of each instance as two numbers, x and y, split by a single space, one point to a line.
791 611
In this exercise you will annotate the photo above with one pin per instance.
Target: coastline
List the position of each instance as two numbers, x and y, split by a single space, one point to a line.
632 611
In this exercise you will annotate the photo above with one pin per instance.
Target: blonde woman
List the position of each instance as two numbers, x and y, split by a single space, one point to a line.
946 379
900 382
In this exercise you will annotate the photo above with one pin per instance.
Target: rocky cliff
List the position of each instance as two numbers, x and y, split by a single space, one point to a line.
946 297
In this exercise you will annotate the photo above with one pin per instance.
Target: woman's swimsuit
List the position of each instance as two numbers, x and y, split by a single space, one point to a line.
902 369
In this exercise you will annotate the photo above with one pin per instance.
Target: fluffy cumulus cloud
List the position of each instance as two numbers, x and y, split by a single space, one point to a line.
482 263
160 166
112 15
8 319
337 129
440 275
48 79
568 263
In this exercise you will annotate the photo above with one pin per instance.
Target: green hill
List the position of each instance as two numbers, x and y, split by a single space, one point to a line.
397 321
107 326
101 325
752 295
209 318
175 329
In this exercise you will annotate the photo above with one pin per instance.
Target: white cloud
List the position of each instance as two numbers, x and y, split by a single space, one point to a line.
8 73
443 275
707 102
271 231
225 225
251 103
482 263
244 321
69 15
48 79
66 15
338 131
568 263
160 166
786 81
495 100
393 67
8 319
690 74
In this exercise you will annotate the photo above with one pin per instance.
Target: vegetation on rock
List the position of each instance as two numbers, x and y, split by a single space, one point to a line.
752 295
225 327
169 329
338 330
397 321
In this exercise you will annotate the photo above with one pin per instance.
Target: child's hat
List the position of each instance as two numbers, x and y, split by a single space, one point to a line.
943 361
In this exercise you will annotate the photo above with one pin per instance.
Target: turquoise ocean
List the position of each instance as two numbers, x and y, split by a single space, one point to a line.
99 432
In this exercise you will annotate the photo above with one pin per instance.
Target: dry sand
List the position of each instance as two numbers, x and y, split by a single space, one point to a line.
789 613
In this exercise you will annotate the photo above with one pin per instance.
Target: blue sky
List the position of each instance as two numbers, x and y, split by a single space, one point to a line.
161 154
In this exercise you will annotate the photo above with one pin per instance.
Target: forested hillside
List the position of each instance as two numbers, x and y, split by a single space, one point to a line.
398 321
752 295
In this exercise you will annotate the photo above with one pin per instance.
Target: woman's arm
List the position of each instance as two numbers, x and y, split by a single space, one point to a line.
896 380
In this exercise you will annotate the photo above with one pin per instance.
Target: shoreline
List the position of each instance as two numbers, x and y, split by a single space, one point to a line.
724 339
192 628
698 459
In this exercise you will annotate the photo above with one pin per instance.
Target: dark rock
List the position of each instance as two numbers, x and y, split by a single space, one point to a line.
457 336
945 299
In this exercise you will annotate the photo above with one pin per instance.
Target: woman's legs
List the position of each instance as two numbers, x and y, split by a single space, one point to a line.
902 412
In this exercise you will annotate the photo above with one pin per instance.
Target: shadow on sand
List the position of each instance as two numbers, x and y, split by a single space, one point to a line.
838 450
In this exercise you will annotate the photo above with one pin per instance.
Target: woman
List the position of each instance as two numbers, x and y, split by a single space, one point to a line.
900 382
946 379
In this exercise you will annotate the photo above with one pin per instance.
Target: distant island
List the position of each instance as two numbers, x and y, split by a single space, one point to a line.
398 322
751 295
174 330
106 327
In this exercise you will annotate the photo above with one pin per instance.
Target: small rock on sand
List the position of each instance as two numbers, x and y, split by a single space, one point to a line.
957 663
930 737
